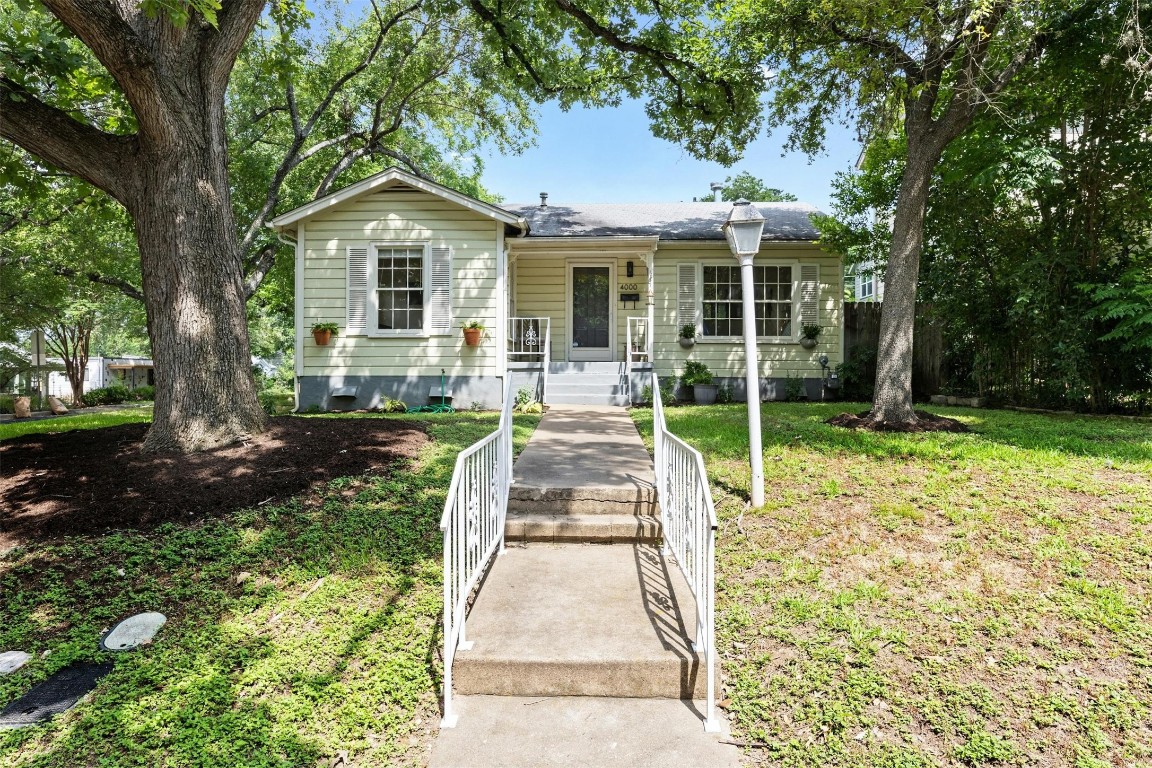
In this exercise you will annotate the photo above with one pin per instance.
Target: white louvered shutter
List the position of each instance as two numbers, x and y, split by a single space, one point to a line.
357 291
809 295
440 292
685 295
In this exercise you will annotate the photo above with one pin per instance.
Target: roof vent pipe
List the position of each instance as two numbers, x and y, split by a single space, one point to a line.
543 199
716 196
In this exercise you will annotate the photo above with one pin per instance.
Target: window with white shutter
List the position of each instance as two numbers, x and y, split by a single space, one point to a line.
786 295
399 289
357 291
685 295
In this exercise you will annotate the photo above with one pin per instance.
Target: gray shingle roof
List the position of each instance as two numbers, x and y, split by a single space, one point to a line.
671 221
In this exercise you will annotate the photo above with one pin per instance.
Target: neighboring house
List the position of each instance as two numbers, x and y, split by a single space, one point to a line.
567 295
130 372
864 282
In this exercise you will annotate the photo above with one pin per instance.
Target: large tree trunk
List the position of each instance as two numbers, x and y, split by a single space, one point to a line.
893 398
172 176
192 283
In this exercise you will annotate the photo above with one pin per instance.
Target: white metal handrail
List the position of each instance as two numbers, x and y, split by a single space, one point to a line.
473 528
526 337
638 339
688 518
547 363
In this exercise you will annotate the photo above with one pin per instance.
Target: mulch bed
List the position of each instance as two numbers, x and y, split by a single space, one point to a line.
925 422
90 481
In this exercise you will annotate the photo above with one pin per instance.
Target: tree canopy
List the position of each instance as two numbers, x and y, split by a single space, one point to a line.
745 186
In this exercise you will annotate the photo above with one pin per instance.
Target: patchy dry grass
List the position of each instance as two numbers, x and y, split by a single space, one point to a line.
936 599
296 631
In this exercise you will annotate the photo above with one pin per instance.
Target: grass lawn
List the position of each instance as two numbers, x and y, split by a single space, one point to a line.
130 414
936 599
296 631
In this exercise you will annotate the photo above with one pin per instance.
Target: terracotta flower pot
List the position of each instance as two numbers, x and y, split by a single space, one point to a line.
322 337
472 336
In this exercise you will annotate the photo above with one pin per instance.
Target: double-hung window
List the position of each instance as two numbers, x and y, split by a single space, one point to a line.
722 301
399 287
710 296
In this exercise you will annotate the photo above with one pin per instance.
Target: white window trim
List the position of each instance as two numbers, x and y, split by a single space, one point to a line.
372 322
796 288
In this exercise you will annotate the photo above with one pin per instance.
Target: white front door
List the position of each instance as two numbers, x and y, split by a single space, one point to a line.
591 311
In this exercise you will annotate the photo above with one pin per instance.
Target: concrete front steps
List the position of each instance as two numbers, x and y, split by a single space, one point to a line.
582 653
587 384
582 620
582 515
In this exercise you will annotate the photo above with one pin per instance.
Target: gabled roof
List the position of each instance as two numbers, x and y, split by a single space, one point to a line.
392 178
668 221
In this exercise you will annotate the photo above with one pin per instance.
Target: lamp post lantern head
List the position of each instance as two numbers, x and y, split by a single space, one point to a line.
743 229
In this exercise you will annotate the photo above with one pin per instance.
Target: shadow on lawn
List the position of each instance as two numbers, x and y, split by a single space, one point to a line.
295 629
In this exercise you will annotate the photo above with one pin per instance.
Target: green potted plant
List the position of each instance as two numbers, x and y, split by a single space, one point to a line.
699 378
473 329
809 335
688 335
323 333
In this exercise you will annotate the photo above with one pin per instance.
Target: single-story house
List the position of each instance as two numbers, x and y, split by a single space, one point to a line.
128 371
579 302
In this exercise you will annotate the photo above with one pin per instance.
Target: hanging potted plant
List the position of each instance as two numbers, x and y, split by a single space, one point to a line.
323 333
699 378
688 335
473 329
809 335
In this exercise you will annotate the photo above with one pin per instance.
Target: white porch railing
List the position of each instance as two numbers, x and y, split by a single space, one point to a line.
529 341
688 517
526 336
637 338
473 527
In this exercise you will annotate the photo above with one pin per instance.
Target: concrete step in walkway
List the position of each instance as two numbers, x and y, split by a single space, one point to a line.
587 461
582 620
576 528
579 732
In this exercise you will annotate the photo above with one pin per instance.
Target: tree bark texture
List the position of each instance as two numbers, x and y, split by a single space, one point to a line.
193 280
893 397
172 176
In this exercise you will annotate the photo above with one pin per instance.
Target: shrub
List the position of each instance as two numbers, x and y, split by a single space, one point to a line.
146 392
7 404
392 406
695 372
117 393
858 375
723 394
524 397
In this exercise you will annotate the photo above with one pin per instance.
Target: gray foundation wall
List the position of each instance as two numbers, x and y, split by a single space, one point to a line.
370 391
487 391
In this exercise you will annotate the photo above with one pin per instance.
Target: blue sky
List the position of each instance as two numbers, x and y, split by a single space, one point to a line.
609 155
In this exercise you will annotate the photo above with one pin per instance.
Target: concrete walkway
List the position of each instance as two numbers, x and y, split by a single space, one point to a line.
582 653
590 453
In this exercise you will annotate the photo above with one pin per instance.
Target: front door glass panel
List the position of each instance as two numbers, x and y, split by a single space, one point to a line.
591 307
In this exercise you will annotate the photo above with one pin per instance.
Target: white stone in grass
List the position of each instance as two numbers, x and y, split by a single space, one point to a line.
10 661
133 631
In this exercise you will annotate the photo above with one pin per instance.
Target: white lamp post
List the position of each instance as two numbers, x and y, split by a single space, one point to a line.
743 229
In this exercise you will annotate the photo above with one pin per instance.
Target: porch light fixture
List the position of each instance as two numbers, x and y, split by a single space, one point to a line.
743 230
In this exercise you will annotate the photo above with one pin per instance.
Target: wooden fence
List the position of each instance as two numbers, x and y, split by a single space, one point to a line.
862 334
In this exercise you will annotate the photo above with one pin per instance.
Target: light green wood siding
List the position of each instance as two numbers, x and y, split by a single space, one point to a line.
398 216
542 283
726 359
